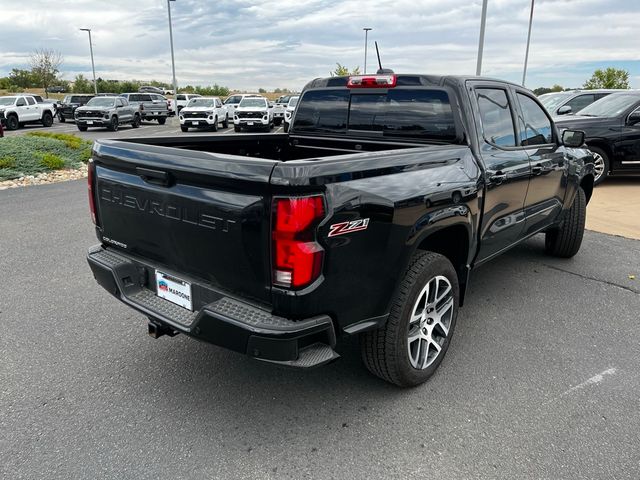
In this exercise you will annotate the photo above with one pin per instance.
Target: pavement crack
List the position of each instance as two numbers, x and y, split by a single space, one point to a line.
587 277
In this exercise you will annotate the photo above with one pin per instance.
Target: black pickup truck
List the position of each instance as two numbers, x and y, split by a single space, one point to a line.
366 218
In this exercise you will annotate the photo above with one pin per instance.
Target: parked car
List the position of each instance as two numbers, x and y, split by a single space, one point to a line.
288 113
564 103
47 101
204 112
69 104
1 130
57 89
367 219
18 110
182 99
167 92
233 101
253 112
151 89
612 127
279 107
151 105
109 112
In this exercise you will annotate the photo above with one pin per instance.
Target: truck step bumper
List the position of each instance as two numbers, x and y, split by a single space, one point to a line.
223 320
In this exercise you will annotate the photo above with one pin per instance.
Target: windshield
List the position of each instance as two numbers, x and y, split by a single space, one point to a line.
254 102
552 100
7 100
101 102
293 102
202 102
610 106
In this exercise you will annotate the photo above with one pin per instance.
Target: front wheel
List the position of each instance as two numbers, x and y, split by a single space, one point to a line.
565 240
61 118
82 128
136 121
236 128
47 119
412 344
225 123
600 165
183 128
162 120
285 128
114 124
12 122
214 127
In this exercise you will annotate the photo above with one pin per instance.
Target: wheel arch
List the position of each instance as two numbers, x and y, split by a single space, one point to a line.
587 185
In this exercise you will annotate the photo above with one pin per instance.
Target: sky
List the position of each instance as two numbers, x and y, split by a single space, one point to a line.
248 45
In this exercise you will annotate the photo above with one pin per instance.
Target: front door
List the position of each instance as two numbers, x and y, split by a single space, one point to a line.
506 173
545 195
627 147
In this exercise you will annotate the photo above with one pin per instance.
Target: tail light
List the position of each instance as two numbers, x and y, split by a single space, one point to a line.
372 81
91 185
297 257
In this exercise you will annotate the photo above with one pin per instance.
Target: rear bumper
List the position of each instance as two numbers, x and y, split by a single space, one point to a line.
218 318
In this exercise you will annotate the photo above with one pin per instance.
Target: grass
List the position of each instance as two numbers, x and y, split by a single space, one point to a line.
39 152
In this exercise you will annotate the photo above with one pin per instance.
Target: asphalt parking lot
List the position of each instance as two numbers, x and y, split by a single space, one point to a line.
147 129
541 380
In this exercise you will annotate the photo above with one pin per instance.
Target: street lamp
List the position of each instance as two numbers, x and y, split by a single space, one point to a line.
526 55
93 67
366 36
483 21
173 61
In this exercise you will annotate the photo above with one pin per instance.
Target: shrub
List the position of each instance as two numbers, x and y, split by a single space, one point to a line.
71 141
52 161
7 162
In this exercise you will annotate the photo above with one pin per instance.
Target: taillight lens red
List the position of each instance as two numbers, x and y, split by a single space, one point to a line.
297 257
90 182
372 81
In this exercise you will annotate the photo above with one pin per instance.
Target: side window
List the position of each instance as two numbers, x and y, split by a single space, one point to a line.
495 114
218 103
21 102
580 102
119 102
537 126
145 98
180 97
31 101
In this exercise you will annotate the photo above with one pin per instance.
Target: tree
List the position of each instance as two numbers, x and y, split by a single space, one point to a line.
262 90
45 65
82 85
609 78
22 78
342 71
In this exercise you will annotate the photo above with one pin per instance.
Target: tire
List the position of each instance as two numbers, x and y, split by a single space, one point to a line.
183 128
61 118
565 240
388 352
286 127
82 128
601 164
225 124
136 121
47 119
214 127
277 122
162 120
236 128
114 125
12 122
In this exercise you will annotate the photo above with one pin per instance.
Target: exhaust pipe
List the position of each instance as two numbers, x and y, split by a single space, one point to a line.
156 330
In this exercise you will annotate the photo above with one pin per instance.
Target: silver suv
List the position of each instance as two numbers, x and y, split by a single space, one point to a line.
110 112
152 105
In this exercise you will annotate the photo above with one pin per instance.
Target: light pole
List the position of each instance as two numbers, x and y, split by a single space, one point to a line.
173 61
93 67
526 55
483 21
366 37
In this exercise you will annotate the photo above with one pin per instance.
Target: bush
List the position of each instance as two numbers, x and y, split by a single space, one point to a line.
52 161
32 154
71 141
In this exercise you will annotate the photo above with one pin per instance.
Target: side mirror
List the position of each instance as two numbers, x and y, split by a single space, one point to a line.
573 138
633 118
564 110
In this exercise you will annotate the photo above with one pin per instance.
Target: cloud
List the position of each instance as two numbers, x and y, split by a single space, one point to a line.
251 44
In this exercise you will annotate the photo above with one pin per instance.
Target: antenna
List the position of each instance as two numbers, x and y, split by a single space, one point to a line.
381 71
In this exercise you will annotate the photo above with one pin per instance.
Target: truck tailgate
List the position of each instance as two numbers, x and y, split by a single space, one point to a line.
195 214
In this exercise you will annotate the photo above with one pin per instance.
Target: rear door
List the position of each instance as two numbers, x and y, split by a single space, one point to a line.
545 195
507 168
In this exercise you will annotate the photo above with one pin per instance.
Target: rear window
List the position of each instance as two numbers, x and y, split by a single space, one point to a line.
416 113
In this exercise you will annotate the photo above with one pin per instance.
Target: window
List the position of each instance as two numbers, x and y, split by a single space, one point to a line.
144 98
218 103
233 100
495 114
31 101
324 110
580 102
21 103
537 126
181 97
119 102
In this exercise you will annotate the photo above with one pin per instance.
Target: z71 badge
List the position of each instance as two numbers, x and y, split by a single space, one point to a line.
343 228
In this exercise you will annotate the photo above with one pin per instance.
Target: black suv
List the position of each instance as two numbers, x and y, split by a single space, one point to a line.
67 108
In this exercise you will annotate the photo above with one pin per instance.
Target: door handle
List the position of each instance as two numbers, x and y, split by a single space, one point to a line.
498 177
536 169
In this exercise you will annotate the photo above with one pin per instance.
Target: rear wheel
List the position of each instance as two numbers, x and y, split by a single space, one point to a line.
600 164
236 128
162 120
565 241
136 121
47 119
12 122
183 128
412 344
114 124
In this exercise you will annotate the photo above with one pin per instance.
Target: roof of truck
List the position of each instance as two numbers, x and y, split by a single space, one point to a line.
406 80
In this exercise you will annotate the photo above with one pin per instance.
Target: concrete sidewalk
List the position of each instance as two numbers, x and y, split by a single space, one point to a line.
615 207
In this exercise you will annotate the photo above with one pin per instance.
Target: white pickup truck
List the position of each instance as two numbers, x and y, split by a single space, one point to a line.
204 112
17 110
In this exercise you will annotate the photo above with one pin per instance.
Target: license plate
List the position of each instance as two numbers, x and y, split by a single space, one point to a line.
249 123
173 289
89 122
196 123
